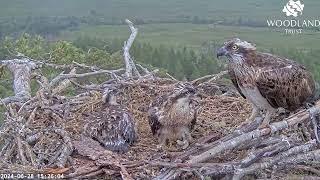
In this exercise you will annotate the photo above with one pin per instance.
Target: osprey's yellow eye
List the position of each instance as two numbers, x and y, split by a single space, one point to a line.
235 47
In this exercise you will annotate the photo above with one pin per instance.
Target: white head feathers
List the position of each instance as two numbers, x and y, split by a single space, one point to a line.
244 44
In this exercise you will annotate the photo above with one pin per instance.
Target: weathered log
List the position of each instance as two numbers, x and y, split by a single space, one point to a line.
21 70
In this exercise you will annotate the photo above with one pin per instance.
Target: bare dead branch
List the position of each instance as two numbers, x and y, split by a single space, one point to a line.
268 163
62 76
145 70
92 68
209 78
314 116
171 77
305 168
237 141
64 84
66 76
265 152
218 76
130 66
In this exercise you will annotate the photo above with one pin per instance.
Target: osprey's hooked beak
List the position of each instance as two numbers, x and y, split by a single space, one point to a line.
222 52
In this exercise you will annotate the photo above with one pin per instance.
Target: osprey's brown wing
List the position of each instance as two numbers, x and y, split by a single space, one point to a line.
234 80
154 123
127 127
194 120
154 114
283 83
113 127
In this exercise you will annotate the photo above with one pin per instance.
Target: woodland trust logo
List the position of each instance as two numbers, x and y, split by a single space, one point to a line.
293 9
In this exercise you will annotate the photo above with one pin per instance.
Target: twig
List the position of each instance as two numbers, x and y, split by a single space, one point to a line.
72 75
20 150
145 70
67 148
171 77
92 174
92 68
124 173
314 116
87 87
265 152
211 77
68 76
218 76
63 84
268 163
306 168
81 171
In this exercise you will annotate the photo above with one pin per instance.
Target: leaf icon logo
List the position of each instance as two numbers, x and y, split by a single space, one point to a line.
293 8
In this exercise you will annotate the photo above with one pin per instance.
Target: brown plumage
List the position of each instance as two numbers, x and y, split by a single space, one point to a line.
267 81
113 126
173 116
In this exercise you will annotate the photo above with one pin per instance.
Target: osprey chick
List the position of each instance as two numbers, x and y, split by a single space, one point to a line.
267 81
172 116
113 126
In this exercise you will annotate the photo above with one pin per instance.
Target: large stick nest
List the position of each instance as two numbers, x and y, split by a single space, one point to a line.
44 134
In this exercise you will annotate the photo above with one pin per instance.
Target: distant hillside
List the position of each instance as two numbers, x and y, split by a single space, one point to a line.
50 17
164 10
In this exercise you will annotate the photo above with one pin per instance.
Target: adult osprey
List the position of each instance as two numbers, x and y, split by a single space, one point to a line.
113 125
267 81
173 115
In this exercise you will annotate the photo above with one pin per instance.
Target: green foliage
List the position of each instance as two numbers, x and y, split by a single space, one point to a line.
31 46
1 114
60 52
65 52
5 84
103 59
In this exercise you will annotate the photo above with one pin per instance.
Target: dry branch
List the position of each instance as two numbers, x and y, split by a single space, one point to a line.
71 76
171 77
239 173
130 66
209 78
64 84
